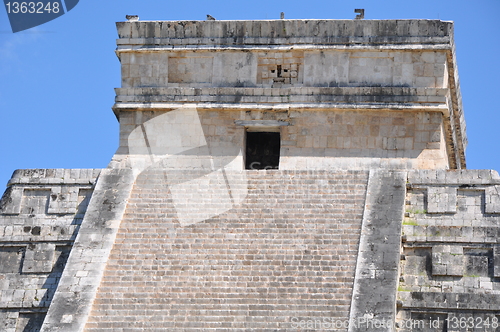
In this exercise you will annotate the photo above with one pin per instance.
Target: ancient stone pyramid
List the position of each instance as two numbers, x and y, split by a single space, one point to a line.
284 175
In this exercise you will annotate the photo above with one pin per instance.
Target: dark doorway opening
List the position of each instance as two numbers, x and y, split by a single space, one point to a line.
262 150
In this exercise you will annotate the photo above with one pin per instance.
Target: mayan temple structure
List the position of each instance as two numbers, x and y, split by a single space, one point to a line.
275 175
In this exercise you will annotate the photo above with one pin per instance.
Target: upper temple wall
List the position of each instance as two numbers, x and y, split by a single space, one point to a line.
284 32
294 65
315 68
310 53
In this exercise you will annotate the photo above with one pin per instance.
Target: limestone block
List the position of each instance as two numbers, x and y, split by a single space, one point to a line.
10 259
441 199
9 321
447 260
476 265
428 57
11 200
63 200
496 261
372 68
34 201
235 69
492 199
326 68
429 82
39 258
189 69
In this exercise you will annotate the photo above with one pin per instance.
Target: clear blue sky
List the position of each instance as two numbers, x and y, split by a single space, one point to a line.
57 80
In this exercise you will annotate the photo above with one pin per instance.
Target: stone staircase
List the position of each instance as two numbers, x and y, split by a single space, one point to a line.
280 254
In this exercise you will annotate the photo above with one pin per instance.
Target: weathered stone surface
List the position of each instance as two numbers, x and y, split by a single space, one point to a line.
39 258
326 64
36 236
285 32
177 235
496 261
451 255
447 260
79 281
492 199
441 200
375 284
287 252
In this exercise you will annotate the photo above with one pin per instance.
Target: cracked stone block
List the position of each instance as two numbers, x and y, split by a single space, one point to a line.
447 260
492 199
39 258
442 200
